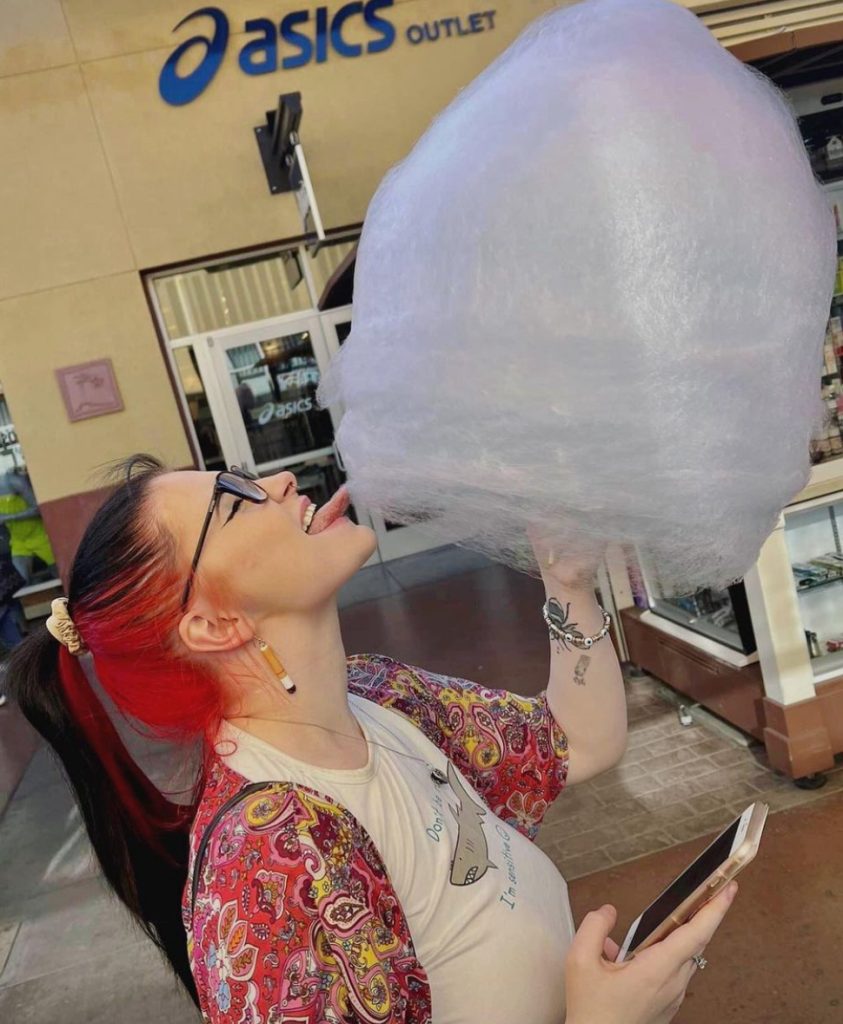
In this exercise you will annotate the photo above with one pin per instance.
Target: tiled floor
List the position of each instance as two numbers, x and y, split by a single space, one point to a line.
69 953
675 783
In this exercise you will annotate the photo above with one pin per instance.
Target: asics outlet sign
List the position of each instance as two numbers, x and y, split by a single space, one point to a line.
301 37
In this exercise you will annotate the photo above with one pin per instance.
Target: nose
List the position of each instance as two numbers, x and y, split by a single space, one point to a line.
280 485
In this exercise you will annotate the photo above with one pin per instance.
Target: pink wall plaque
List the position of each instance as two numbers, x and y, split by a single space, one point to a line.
89 389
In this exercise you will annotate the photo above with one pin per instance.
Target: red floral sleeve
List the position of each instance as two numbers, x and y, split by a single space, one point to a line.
295 919
509 747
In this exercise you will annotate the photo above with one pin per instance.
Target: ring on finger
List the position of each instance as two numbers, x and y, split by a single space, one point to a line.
700 961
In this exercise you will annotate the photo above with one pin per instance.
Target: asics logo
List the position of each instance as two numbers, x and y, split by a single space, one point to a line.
179 89
299 38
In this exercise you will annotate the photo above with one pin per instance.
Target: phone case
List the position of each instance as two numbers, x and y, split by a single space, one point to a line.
715 883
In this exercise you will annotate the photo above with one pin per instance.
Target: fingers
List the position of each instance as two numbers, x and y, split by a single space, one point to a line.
593 934
611 950
694 936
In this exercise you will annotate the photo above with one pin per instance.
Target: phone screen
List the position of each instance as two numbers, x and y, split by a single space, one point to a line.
690 879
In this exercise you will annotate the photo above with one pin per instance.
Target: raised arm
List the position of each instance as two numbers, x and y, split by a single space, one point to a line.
585 690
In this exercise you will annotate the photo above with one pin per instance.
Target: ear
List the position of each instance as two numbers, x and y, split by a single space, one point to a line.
205 630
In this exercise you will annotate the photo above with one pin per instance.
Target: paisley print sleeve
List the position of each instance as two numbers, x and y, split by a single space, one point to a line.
295 920
509 747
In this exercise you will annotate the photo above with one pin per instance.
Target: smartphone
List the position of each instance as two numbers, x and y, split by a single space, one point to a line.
711 872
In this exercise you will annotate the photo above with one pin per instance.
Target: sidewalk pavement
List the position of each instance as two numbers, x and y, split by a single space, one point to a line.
18 742
68 951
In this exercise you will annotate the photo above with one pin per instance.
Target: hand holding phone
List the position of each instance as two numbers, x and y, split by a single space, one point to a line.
650 988
644 981
709 874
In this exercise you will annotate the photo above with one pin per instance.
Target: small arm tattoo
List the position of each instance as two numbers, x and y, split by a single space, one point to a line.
581 669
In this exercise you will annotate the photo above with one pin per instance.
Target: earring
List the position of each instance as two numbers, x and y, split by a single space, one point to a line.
275 664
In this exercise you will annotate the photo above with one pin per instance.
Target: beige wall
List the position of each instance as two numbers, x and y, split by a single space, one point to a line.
101 180
76 324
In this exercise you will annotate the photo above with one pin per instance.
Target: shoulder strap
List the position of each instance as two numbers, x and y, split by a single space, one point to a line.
241 794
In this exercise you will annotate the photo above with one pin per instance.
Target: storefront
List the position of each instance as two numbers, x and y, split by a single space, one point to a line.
141 227
148 256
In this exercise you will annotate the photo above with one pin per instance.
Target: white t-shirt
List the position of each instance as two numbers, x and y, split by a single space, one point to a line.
488 912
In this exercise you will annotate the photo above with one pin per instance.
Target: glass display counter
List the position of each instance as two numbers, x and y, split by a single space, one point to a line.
816 559
720 615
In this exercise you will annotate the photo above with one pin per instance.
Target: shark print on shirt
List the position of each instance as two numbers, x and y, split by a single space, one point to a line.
471 856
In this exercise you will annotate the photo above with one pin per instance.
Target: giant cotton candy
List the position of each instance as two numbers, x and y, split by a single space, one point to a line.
594 296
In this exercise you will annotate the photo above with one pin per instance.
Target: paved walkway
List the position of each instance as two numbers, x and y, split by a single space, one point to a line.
674 784
68 952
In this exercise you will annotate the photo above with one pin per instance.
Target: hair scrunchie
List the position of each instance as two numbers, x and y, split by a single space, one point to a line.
61 626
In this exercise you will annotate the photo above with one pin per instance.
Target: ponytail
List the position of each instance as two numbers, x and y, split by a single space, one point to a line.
124 598
140 839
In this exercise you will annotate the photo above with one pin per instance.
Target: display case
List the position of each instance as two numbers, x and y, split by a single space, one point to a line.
789 611
829 442
812 535
721 615
718 621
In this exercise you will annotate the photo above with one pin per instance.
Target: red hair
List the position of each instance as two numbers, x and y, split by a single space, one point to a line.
128 620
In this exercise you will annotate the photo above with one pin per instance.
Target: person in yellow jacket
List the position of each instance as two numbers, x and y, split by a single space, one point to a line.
19 511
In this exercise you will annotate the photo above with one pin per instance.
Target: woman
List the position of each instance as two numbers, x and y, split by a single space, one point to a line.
385 874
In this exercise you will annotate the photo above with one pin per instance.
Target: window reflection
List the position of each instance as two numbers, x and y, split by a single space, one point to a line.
275 383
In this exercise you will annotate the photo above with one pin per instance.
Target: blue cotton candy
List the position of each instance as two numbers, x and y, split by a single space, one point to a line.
594 297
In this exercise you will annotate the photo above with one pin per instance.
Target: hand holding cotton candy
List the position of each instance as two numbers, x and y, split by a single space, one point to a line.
593 297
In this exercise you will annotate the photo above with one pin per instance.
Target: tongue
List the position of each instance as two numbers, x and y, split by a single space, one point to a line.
330 512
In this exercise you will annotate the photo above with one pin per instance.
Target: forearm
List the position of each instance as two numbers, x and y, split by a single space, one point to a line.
585 690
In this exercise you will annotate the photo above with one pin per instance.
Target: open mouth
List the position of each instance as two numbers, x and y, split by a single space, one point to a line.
316 520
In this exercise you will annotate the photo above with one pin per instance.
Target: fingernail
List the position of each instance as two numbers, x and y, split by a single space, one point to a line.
733 891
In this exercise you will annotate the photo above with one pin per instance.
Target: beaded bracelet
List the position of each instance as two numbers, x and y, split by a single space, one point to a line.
565 632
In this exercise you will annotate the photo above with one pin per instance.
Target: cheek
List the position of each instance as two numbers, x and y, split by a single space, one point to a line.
281 556
266 557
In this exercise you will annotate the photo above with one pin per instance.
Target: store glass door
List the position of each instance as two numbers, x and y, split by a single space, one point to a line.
269 375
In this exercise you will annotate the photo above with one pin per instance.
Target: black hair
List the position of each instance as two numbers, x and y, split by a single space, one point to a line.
140 838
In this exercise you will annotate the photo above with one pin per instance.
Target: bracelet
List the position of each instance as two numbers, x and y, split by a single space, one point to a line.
565 632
